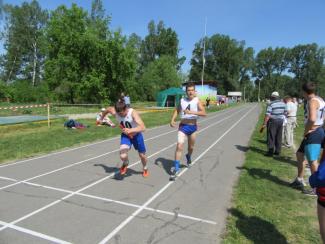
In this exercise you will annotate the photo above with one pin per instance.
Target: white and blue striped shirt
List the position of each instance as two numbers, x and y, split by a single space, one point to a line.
276 110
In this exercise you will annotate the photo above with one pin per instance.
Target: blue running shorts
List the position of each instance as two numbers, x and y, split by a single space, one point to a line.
137 141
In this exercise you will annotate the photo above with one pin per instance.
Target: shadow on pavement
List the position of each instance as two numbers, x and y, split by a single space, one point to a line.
116 170
166 164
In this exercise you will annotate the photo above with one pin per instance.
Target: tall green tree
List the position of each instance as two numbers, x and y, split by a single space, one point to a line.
306 62
270 66
63 70
159 75
84 65
160 41
99 21
226 61
24 42
321 82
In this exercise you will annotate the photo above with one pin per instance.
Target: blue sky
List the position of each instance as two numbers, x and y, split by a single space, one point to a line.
261 23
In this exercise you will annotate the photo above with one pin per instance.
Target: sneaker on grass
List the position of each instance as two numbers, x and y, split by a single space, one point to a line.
309 192
298 184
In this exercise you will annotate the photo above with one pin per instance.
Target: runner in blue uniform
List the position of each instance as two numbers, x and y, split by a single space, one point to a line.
190 109
132 127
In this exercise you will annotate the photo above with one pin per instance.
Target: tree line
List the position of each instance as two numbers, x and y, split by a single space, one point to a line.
74 56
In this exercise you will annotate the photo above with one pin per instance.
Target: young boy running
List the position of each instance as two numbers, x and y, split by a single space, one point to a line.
190 109
132 127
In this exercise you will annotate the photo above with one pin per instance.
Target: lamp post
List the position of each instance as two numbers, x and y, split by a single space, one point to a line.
203 56
244 94
259 89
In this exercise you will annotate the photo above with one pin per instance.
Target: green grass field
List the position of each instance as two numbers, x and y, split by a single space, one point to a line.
265 209
31 139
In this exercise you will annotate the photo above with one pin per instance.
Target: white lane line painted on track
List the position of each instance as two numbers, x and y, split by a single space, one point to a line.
139 210
34 233
89 145
121 203
86 160
6 178
68 150
101 180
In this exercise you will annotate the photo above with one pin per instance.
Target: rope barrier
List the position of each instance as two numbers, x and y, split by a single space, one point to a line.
26 106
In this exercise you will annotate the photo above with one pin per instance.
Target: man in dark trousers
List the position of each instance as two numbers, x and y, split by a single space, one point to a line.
274 118
207 104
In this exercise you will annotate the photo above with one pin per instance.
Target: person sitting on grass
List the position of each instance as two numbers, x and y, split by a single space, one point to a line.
105 120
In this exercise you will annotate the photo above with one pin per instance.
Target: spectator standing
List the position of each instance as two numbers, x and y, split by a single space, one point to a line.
207 104
273 120
291 122
127 100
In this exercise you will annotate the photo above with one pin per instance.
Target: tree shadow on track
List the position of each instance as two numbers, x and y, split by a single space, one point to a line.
257 229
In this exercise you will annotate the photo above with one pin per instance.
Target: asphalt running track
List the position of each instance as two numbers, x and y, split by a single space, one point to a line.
72 196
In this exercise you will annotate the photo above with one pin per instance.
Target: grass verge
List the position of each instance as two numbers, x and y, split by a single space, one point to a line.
265 209
35 138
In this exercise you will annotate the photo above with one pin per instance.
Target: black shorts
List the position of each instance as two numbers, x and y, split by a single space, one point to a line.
321 203
315 137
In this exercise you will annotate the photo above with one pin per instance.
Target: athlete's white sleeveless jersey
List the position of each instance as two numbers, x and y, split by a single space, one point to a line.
191 105
127 121
320 112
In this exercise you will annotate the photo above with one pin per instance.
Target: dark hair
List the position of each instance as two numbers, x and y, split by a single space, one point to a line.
189 84
309 87
120 106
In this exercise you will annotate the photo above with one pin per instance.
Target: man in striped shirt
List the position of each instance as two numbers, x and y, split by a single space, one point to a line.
274 118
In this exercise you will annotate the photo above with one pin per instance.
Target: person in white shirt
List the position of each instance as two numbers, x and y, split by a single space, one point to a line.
127 100
190 109
132 127
105 120
291 122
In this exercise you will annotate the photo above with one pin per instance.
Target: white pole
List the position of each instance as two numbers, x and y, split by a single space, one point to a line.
203 55
244 94
48 115
259 89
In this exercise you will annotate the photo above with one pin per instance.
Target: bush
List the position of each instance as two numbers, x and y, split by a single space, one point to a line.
24 92
27 111
5 92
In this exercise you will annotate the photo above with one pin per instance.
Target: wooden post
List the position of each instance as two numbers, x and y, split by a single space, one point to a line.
48 115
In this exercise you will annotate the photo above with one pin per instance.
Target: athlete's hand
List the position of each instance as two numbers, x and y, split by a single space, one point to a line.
173 124
127 131
186 111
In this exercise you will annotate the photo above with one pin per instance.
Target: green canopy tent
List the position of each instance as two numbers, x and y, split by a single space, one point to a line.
169 97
